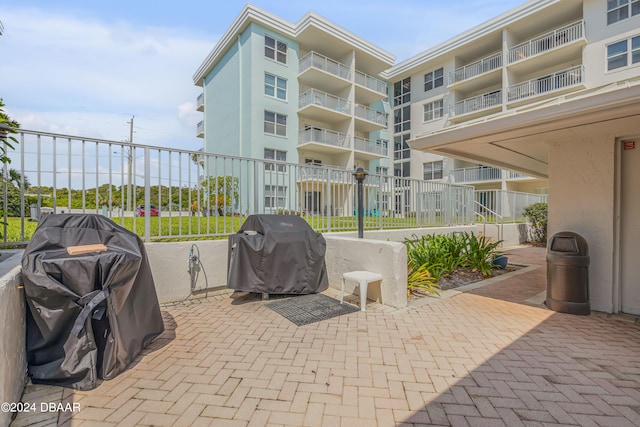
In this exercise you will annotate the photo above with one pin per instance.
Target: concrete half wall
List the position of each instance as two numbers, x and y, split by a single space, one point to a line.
13 357
171 266
170 261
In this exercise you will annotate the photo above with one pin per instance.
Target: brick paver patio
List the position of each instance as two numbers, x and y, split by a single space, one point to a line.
490 356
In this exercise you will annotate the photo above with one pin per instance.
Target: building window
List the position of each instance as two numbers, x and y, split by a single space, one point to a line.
275 86
402 92
278 155
275 196
402 170
432 170
434 79
401 149
275 49
402 119
275 124
623 53
617 10
433 110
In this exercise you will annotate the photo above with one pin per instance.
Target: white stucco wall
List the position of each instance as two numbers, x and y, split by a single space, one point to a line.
581 199
170 266
13 358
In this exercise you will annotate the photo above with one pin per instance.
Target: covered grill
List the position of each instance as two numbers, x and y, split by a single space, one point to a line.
277 254
92 303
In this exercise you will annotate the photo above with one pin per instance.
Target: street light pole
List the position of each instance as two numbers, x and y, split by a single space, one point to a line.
360 174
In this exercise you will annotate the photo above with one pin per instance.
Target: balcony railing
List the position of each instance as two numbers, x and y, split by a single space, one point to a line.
321 62
375 116
324 136
475 174
548 41
200 129
562 79
326 100
477 68
371 82
477 103
200 102
378 147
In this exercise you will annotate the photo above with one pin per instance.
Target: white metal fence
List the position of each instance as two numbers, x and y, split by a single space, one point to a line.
166 193
509 205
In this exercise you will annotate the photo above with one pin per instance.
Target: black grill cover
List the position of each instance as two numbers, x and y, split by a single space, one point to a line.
88 315
277 254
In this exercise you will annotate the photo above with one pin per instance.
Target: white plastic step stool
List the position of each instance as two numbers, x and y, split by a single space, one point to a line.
363 278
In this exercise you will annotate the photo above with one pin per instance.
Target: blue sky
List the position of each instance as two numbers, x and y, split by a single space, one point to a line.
85 67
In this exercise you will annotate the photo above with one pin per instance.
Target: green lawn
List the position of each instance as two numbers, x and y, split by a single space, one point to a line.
191 227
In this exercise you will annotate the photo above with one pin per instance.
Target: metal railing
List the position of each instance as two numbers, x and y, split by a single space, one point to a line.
321 62
362 144
200 102
325 137
366 113
509 205
482 173
475 174
370 82
476 68
485 213
557 81
551 40
323 99
477 103
203 195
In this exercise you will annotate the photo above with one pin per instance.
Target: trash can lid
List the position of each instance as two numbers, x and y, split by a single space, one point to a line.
568 242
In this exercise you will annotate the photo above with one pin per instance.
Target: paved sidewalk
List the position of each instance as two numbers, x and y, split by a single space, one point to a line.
485 357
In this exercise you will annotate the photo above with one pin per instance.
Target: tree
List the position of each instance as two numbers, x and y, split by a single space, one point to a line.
537 214
7 128
220 191
7 141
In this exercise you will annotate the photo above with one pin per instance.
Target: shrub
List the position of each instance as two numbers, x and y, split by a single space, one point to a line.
537 215
442 254
479 253
420 278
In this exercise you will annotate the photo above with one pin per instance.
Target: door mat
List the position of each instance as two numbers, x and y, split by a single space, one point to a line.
306 309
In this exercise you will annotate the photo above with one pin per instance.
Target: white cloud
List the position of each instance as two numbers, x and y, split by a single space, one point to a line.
86 77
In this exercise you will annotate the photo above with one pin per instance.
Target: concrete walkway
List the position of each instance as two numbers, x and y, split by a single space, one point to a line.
491 356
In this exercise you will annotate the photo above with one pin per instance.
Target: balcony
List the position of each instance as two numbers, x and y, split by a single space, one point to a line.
324 106
370 120
325 73
477 104
547 42
477 68
335 175
324 140
200 102
476 174
553 84
370 150
369 89
200 129
482 174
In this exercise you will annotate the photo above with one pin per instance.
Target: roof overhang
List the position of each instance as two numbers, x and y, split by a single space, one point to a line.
517 140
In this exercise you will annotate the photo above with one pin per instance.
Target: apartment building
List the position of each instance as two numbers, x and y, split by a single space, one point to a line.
550 89
305 92
544 96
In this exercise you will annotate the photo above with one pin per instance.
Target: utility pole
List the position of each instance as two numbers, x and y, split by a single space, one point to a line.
129 164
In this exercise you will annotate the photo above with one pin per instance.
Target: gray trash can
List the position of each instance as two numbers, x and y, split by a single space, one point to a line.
568 273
